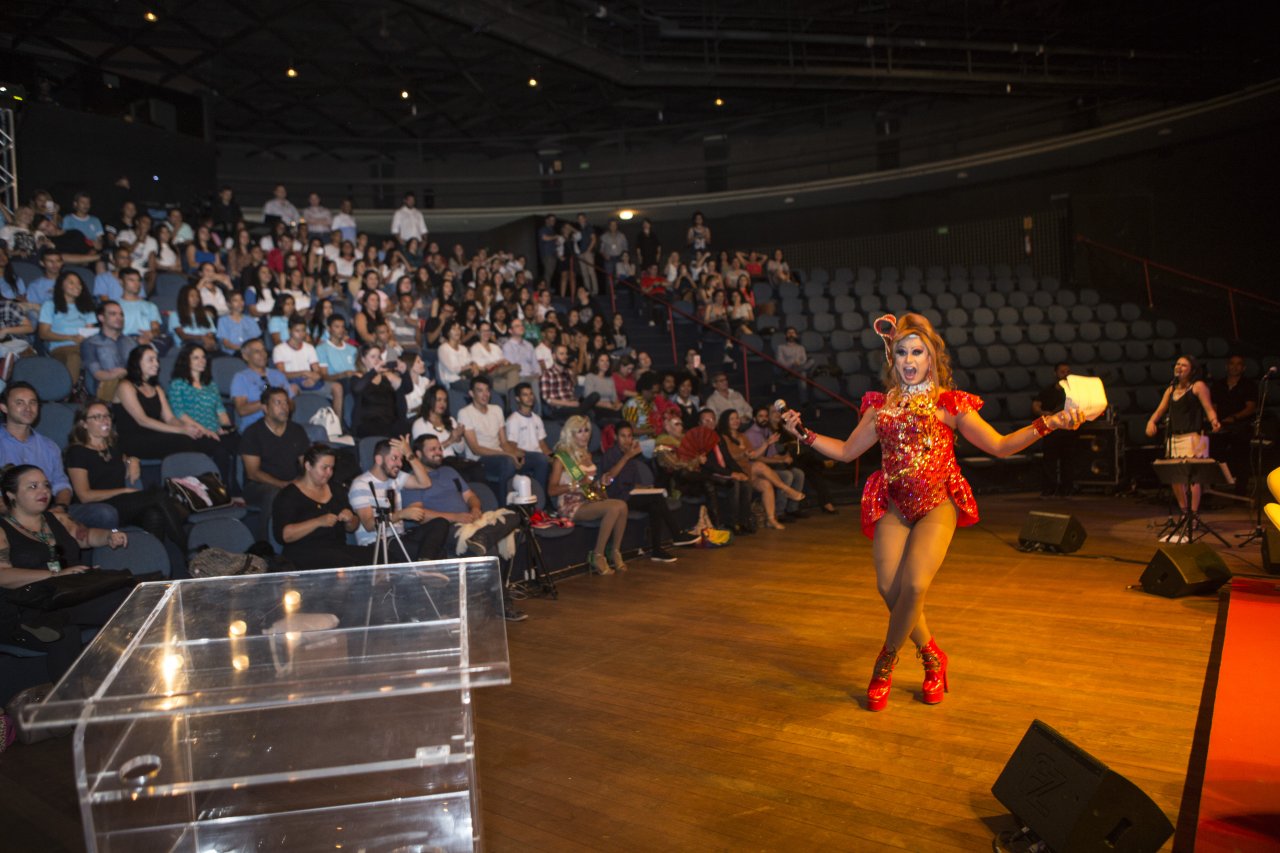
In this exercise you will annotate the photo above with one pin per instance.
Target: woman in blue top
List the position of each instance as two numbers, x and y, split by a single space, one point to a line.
194 322
202 250
278 325
236 327
62 318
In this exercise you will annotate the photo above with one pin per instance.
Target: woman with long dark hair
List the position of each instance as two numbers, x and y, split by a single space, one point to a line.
378 396
434 419
194 396
194 322
62 319
911 507
148 428
369 317
100 472
763 478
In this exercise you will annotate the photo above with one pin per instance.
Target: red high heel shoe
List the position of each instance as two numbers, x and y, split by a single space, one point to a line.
881 678
935 672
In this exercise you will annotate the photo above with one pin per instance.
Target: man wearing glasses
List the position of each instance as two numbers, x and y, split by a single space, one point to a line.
247 385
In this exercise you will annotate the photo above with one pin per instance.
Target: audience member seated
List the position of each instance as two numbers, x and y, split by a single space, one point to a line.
100 472
296 358
488 356
35 544
486 440
763 478
685 473
452 499
311 520
270 449
792 355
723 398
526 431
765 441
573 474
194 322
106 353
809 462
559 387
382 487
729 478
639 409
20 444
434 419
195 397
149 429
142 320
608 408
520 353
621 465
247 385
378 397
236 327
66 320
454 365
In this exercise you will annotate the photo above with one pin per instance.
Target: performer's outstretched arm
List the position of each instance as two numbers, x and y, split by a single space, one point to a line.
862 439
984 437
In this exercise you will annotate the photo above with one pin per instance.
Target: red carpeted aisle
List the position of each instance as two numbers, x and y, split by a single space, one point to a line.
1240 795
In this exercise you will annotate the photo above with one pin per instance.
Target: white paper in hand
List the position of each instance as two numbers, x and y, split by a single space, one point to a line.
1086 394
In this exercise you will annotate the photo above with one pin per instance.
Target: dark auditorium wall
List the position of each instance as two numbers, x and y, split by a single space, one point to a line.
64 151
1206 206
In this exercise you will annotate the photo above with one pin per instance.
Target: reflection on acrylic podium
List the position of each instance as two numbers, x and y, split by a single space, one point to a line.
326 710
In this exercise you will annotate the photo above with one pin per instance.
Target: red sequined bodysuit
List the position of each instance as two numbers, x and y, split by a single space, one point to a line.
919 468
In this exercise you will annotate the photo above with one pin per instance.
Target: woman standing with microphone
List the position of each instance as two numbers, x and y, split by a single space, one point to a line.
1187 403
912 506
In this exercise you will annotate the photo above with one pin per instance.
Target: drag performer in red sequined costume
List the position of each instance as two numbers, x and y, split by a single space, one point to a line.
912 506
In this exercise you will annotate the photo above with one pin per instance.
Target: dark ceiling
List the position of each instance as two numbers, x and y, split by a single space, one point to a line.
649 70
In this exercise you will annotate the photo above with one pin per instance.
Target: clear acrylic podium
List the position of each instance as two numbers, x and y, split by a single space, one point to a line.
326 710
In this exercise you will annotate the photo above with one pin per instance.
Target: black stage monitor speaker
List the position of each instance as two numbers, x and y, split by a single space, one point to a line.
1178 570
1051 531
1073 802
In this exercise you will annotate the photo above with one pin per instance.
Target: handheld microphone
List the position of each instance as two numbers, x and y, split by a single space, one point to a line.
781 407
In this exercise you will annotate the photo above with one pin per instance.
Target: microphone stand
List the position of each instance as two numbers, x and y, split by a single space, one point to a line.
1255 467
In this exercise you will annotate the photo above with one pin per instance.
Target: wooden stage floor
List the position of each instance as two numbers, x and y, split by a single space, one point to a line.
714 704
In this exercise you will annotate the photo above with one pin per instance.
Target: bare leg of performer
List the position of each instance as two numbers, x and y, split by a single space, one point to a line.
906 558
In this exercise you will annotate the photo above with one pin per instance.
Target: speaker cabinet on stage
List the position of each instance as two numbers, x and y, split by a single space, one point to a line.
1097 459
1073 802
1051 531
1178 570
1271 550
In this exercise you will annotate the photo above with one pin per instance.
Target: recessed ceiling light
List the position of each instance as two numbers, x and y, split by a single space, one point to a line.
533 82
625 215
404 94
291 72
150 17
719 102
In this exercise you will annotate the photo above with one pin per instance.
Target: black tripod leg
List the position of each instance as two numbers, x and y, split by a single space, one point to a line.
534 549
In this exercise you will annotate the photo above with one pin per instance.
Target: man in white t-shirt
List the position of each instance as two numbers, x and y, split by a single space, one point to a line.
407 222
527 432
382 487
486 437
296 358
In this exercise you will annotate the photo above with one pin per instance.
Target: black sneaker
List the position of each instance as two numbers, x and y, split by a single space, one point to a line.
685 538
513 615
661 556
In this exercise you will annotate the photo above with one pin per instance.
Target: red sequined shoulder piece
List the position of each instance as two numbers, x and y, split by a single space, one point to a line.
959 402
871 400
